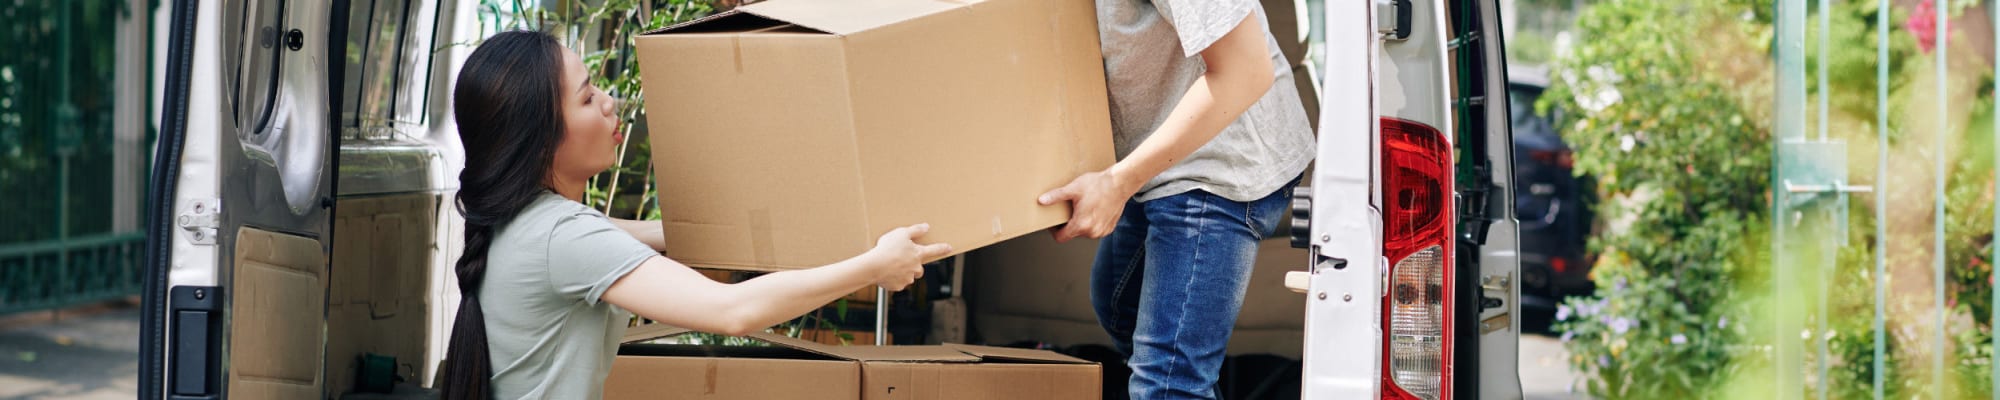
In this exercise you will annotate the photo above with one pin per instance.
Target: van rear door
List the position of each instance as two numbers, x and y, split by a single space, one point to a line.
241 202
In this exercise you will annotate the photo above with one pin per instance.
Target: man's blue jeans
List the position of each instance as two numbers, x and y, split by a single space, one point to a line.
1168 282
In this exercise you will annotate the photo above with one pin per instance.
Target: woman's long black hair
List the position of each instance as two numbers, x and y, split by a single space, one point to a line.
508 108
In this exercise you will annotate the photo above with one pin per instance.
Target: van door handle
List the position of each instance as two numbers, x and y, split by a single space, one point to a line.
197 346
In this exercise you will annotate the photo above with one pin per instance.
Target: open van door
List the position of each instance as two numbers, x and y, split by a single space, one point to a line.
245 108
266 105
1412 245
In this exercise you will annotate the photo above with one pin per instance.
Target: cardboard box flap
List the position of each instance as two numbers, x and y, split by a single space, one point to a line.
847 16
810 347
856 353
871 353
990 353
723 351
924 354
651 331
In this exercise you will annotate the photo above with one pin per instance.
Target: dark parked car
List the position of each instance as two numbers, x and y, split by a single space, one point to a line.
1551 201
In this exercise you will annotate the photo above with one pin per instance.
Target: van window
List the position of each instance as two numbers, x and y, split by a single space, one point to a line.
256 70
385 90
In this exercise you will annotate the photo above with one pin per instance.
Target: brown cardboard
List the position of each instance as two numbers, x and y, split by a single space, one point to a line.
381 265
981 381
275 335
1013 354
794 368
832 337
1034 289
699 372
789 134
649 371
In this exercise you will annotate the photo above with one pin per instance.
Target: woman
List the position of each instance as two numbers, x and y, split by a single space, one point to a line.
546 280
1210 136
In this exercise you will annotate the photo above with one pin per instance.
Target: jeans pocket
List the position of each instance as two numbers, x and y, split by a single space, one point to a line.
1250 220
1263 215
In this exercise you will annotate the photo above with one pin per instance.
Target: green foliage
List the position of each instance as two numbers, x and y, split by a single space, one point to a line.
1968 225
1851 67
602 35
56 105
1969 204
1530 49
1668 103
1686 169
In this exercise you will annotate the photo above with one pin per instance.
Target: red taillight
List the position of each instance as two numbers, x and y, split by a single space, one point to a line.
1416 228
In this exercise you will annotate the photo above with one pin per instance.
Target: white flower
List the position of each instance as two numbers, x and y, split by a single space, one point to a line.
1622 324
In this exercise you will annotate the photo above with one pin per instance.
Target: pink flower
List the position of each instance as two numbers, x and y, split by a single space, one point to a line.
1923 24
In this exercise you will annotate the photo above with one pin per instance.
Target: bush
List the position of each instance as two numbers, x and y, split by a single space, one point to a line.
1684 162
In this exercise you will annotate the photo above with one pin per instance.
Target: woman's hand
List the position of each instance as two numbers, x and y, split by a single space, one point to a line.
1097 200
897 259
668 291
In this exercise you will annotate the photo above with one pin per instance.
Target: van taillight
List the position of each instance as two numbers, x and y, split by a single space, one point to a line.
1416 230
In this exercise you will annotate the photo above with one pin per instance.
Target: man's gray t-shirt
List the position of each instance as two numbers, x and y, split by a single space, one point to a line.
1152 56
550 336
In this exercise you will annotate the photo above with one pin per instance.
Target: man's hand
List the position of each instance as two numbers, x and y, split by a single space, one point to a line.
1239 72
1097 199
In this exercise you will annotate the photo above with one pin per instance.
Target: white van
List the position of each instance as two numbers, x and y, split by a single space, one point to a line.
306 163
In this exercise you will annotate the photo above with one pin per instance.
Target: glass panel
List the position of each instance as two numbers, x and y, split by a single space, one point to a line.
413 65
379 67
383 84
358 24
257 75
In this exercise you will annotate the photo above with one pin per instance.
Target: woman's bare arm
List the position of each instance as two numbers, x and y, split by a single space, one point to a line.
648 232
667 291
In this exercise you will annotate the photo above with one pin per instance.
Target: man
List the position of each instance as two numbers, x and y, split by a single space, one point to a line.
1210 135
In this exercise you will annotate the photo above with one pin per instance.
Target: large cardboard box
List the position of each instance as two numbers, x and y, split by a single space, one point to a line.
1034 289
789 134
797 369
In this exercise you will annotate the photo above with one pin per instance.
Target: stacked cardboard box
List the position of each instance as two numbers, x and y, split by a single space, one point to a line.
796 369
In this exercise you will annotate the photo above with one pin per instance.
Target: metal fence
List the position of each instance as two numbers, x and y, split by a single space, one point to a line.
1812 191
73 104
58 273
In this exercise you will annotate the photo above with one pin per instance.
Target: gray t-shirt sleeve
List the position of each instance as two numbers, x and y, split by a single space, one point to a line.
1200 23
587 254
